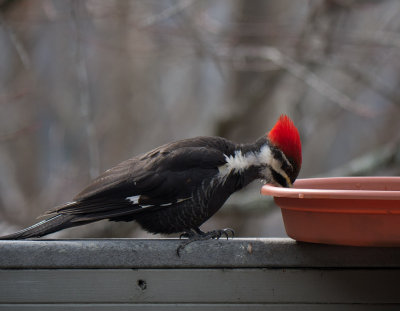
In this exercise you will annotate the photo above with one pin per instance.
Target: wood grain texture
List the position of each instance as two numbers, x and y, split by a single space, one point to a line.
199 286
161 253
198 307
239 274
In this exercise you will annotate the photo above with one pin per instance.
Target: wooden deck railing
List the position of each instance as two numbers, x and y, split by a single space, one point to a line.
239 274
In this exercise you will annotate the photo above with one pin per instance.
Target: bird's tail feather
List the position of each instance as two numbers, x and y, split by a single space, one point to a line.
47 226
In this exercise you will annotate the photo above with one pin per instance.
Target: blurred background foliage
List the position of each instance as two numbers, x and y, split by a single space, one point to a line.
87 84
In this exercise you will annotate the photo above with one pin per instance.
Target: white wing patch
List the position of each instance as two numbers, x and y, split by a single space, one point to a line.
134 199
166 204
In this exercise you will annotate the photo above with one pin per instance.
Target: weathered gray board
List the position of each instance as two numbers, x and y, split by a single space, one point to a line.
199 286
161 253
199 307
241 274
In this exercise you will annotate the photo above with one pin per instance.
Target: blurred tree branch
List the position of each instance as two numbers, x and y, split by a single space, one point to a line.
282 61
5 137
385 156
81 66
19 47
177 8
5 5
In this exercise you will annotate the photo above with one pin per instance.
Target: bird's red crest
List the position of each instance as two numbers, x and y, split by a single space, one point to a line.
286 137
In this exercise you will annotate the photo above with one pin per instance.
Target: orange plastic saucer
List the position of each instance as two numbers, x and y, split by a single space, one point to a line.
357 211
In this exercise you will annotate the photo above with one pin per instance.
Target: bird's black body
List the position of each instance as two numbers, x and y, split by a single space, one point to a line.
177 188
174 188
201 190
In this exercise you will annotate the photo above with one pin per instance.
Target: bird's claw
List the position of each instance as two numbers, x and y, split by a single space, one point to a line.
217 234
198 235
227 232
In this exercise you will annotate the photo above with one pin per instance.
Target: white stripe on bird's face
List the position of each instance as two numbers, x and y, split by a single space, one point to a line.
267 159
239 162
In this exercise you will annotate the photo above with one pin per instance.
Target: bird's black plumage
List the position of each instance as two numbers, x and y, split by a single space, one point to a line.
175 185
168 181
172 189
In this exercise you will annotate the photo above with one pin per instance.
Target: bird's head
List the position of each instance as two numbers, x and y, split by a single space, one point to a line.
284 152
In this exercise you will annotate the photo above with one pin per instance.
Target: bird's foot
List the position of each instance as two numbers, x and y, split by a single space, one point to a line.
216 234
198 235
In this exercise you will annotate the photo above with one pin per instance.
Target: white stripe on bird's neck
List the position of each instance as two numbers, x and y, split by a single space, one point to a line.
239 162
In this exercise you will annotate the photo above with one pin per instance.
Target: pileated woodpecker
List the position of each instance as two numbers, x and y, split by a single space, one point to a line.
175 188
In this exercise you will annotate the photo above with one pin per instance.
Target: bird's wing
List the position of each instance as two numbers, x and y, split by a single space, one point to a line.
145 172
155 180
